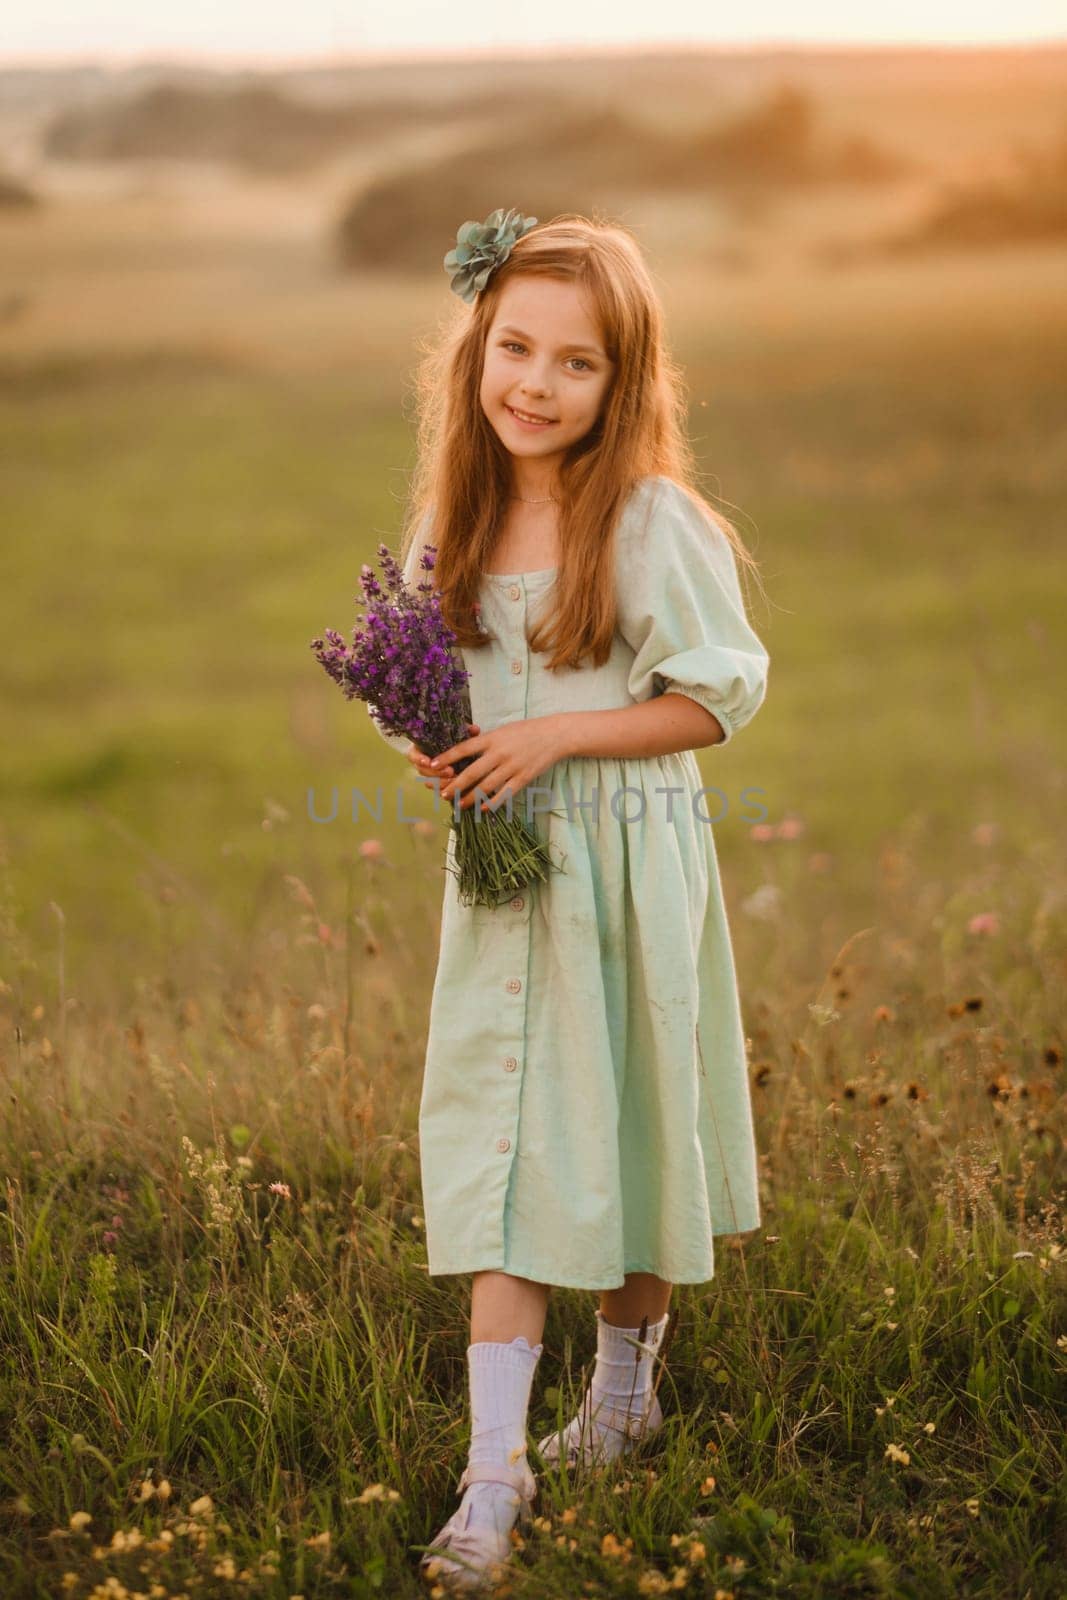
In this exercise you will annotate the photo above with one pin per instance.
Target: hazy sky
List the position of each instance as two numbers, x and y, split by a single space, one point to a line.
272 29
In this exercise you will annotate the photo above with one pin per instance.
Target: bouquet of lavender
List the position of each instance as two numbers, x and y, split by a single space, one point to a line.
401 663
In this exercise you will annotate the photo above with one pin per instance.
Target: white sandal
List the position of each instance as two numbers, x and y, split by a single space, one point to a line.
579 1443
479 1552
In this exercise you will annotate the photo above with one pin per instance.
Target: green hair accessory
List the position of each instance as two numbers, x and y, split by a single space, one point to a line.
481 247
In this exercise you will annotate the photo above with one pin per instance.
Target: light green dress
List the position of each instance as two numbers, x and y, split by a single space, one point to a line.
585 1108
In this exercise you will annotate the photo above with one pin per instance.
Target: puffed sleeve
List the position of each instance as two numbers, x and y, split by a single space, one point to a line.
413 576
681 610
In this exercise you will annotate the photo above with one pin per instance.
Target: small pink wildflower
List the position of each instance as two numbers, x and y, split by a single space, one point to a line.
984 922
790 828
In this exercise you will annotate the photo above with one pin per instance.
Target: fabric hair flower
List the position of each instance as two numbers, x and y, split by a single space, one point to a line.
481 247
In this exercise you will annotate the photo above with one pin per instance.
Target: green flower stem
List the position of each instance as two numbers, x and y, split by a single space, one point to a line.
496 855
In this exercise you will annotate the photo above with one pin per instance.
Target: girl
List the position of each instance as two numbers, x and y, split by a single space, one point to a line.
585 1118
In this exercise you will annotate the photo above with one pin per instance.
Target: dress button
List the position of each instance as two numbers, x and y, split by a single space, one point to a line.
516 666
518 903
510 1063
515 592
503 1144
513 985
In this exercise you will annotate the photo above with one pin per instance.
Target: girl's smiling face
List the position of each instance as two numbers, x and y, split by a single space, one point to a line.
544 356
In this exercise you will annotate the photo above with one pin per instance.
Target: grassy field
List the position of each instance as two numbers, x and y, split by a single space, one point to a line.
221 1343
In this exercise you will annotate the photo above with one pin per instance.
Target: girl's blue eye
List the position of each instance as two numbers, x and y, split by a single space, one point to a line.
513 344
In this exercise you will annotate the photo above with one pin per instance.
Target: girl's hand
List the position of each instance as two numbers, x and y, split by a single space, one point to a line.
421 761
509 757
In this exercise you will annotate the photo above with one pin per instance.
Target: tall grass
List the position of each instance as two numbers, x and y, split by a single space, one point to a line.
222 1344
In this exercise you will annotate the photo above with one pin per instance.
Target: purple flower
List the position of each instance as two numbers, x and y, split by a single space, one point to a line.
401 663
401 659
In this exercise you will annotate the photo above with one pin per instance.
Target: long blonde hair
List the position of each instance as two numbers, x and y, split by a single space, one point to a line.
462 472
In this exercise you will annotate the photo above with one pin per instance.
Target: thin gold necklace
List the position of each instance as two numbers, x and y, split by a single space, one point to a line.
528 502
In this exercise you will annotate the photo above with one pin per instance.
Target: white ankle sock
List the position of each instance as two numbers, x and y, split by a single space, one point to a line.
501 1376
621 1386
